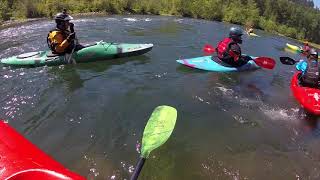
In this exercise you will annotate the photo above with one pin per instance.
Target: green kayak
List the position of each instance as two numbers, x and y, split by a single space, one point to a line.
96 52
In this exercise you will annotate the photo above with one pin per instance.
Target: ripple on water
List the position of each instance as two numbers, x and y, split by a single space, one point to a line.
20 89
213 168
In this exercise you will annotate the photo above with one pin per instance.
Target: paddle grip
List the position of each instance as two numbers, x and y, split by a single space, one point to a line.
138 169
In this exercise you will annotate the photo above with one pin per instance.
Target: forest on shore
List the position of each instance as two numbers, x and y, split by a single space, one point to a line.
293 18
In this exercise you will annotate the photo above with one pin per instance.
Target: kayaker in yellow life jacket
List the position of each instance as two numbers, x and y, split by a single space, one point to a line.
62 38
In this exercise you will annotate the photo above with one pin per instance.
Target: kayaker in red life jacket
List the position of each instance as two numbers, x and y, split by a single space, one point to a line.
62 38
229 51
306 48
310 70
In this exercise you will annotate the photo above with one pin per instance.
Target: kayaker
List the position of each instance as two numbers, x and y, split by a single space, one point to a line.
310 70
229 51
306 48
62 38
249 30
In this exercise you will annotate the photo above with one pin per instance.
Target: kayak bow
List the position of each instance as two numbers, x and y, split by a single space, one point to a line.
21 160
308 98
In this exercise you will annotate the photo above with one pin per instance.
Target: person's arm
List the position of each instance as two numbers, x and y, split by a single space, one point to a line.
61 44
60 47
235 51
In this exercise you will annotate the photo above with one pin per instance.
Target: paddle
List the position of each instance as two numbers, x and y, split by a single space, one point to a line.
264 62
157 131
287 60
75 41
70 56
208 49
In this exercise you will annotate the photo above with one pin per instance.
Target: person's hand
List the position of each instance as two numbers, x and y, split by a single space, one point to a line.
71 27
71 37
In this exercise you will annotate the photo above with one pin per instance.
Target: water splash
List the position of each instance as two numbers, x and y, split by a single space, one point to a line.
274 113
201 99
93 171
138 147
161 75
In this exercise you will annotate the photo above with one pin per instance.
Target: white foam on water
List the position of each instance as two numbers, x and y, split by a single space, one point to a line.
84 20
131 19
19 31
201 99
147 19
112 19
274 113
225 91
178 20
291 115
161 75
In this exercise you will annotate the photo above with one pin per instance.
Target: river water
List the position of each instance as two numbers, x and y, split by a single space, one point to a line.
90 117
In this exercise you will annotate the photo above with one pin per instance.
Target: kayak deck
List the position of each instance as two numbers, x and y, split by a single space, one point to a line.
21 160
206 63
309 98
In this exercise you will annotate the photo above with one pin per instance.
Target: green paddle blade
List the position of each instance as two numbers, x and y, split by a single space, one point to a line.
158 129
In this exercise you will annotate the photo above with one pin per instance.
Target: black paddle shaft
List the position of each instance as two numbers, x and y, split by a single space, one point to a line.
138 169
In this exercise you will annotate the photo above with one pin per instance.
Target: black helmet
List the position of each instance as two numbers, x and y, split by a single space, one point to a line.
235 32
313 53
63 17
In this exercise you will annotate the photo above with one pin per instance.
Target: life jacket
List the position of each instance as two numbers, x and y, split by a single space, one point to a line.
223 49
52 45
311 76
306 48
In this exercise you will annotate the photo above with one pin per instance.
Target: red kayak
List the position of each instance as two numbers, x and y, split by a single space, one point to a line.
309 98
21 160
